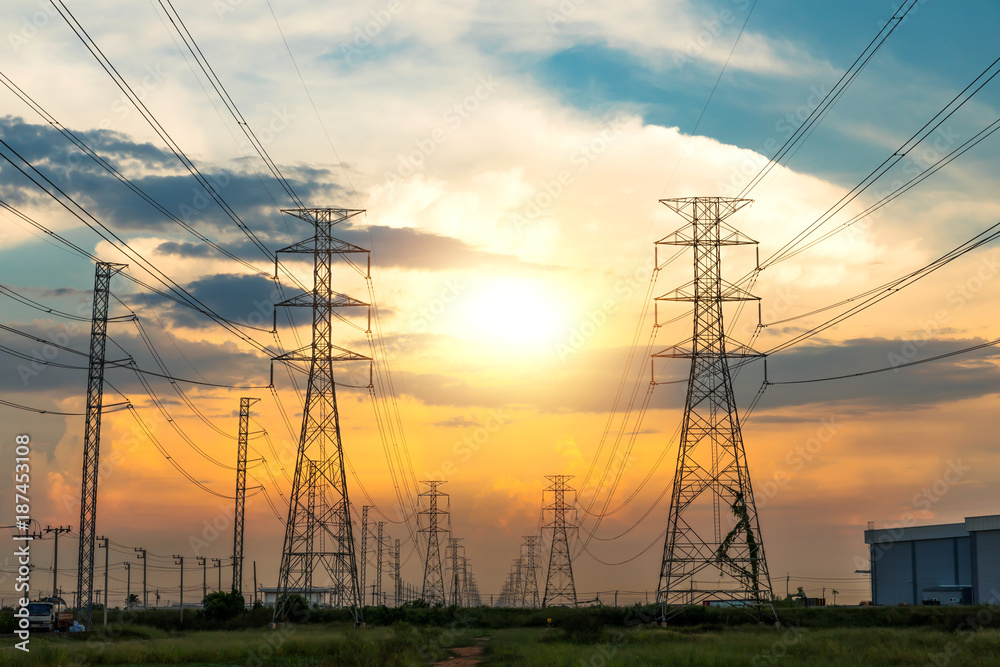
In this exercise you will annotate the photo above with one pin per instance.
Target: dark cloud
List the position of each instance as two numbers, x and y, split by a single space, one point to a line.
586 381
179 193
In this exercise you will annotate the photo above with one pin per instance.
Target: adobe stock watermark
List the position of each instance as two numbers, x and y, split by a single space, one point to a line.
122 106
363 35
710 30
596 318
958 296
784 128
923 500
465 448
436 307
451 119
549 190
795 460
32 25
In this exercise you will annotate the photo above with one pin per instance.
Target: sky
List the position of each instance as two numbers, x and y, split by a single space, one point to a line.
510 158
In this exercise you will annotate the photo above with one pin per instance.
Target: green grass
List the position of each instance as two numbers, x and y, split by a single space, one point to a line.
290 645
595 636
526 647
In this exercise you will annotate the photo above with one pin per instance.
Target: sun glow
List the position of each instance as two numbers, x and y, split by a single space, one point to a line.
512 312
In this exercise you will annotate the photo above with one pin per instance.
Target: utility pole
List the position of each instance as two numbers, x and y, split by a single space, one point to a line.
106 551
241 492
128 585
560 589
217 562
92 442
203 561
255 583
179 560
145 595
363 566
712 477
319 530
378 560
433 588
55 558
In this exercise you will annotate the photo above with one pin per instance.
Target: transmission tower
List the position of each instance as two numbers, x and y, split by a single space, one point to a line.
241 491
378 560
456 587
530 559
713 548
559 586
433 589
397 580
92 442
318 533
364 548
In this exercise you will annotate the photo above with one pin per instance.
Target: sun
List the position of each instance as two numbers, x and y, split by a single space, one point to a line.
512 312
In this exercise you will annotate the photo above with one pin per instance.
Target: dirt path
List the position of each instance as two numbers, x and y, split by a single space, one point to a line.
465 656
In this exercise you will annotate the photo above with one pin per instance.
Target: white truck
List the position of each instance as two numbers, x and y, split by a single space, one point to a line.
49 614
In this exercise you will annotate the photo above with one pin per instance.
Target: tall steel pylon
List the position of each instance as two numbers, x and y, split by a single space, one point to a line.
560 589
530 558
241 491
456 581
319 532
433 588
706 556
378 564
92 441
397 591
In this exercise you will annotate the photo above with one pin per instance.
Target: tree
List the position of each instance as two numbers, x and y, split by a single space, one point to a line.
132 601
221 606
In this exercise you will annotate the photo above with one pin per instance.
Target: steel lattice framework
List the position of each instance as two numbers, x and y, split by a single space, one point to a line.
433 588
560 589
241 491
92 441
529 557
713 548
318 534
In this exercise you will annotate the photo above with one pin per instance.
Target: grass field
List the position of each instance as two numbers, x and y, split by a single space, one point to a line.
597 637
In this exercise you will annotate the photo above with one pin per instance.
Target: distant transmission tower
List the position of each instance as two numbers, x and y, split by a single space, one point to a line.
433 589
559 586
319 530
704 556
530 562
92 442
456 578
241 492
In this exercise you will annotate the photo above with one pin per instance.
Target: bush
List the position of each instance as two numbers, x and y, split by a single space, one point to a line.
221 606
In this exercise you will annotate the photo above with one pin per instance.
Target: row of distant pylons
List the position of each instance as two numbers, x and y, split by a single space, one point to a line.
713 548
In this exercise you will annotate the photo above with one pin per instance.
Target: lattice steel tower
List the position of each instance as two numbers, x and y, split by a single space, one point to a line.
241 491
92 442
713 548
319 532
559 586
529 558
433 588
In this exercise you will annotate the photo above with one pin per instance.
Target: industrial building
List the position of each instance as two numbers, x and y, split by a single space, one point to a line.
947 564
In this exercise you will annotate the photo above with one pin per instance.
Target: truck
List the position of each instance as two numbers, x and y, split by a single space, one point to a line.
49 614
